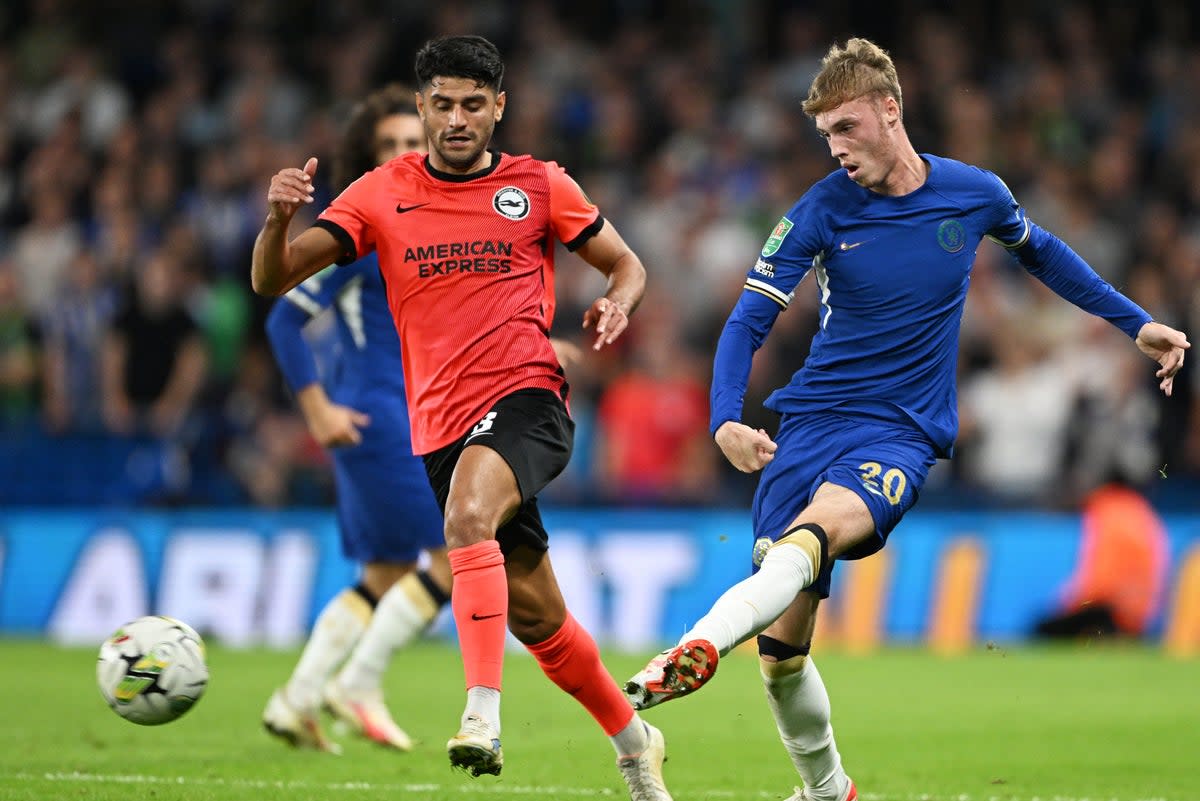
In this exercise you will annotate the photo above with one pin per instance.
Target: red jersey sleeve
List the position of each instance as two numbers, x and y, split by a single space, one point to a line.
573 216
348 218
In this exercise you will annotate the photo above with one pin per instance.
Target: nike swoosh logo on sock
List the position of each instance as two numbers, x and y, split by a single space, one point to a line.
477 616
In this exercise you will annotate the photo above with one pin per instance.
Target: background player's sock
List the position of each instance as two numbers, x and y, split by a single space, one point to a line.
338 628
402 613
800 704
480 603
570 659
749 606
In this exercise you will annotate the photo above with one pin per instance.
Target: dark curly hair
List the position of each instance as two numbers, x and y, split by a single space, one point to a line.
356 152
471 57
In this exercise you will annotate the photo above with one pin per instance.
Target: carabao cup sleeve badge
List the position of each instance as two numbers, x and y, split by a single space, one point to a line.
777 236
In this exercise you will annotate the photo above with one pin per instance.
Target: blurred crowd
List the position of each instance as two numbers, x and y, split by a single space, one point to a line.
137 140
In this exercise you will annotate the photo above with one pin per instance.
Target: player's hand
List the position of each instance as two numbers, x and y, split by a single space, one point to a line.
567 353
1166 346
746 449
337 426
609 318
289 188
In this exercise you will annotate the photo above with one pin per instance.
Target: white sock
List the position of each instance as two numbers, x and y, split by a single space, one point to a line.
800 705
337 629
631 740
753 603
483 702
401 614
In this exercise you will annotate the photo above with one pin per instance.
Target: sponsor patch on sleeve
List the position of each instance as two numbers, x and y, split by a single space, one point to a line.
775 240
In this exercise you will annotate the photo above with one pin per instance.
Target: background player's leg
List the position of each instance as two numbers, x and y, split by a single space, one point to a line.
800 703
409 603
483 495
291 712
568 655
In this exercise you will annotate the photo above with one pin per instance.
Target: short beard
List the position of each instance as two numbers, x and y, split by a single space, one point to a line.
463 161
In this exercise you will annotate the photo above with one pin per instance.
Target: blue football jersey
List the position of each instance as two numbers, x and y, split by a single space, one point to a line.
891 276
386 508
367 372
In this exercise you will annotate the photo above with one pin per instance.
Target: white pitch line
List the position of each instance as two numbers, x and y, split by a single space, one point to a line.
492 788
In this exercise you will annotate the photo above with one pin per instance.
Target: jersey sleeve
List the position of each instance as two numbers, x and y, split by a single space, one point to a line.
1055 264
795 244
1007 226
348 218
318 293
573 216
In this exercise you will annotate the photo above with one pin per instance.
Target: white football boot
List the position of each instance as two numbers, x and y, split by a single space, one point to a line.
476 748
851 794
297 727
366 714
643 772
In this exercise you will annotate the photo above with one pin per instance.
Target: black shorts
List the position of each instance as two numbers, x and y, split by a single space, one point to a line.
532 431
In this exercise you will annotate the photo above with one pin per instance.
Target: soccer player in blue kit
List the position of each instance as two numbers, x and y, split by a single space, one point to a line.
891 237
387 513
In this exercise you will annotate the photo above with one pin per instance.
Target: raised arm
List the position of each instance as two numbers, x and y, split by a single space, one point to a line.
277 264
608 253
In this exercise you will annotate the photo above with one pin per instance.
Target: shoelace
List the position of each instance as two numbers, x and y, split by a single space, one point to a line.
635 778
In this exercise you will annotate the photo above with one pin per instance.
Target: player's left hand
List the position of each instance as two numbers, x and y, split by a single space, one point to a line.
1166 346
609 318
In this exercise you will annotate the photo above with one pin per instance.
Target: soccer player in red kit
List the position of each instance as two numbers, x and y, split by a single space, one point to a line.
465 238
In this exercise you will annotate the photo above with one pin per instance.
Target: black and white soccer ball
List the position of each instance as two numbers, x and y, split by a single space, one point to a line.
152 670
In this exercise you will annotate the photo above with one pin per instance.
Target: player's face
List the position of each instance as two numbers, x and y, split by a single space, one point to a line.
858 132
397 134
459 118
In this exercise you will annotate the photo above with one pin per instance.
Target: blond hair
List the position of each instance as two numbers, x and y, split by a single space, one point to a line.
847 73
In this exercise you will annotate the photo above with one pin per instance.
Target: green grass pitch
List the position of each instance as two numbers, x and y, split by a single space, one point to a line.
1022 724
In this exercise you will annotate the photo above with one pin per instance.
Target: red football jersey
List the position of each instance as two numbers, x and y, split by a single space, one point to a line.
469 266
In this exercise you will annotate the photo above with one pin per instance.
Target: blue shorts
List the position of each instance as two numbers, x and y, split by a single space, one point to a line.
386 508
885 463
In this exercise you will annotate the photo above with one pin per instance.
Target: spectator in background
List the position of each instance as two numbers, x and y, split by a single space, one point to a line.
45 248
18 355
1013 420
154 359
1117 588
73 331
652 442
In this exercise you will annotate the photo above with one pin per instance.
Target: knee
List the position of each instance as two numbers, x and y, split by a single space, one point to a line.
532 626
778 660
467 522
378 577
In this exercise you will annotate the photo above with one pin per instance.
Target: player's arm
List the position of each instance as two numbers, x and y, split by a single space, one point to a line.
746 448
279 264
608 253
331 424
786 257
1056 265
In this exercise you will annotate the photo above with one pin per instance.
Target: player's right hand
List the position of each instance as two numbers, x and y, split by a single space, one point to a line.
289 188
337 426
746 449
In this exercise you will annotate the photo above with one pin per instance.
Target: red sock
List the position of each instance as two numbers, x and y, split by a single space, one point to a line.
480 603
572 661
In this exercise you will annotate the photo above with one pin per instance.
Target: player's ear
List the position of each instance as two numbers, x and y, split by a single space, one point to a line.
501 99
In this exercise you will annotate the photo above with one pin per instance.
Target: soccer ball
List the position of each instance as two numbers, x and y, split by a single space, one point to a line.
152 670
